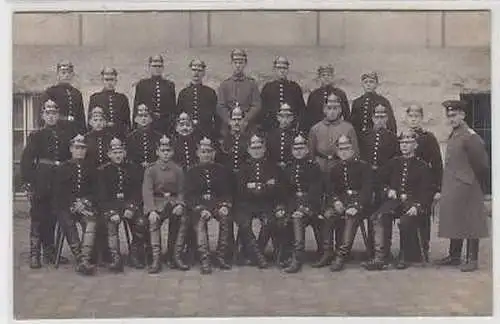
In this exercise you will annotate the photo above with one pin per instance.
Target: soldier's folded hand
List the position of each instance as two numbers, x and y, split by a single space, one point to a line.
153 217
178 210
391 194
205 215
329 213
223 211
128 214
412 211
437 196
280 213
115 218
78 206
271 182
351 211
339 207
297 214
251 185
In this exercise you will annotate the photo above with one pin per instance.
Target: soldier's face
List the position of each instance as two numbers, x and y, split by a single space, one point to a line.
97 123
184 126
281 71
300 152
407 147
285 120
345 152
197 75
332 111
164 153
109 82
143 120
455 118
369 84
206 155
379 121
50 117
414 119
156 69
257 152
116 156
325 78
235 124
78 151
65 75
239 66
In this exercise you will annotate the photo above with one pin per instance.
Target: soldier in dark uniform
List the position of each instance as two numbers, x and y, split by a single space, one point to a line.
408 191
200 102
281 91
240 90
363 107
120 199
158 94
462 212
68 98
318 98
74 201
114 104
303 195
259 196
348 198
163 195
98 140
378 146
428 151
46 149
209 195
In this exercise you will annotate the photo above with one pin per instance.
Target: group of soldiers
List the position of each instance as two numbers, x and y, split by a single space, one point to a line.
234 155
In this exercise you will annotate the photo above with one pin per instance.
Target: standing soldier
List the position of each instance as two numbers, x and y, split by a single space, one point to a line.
158 94
349 197
163 194
114 104
120 199
200 102
378 146
46 149
68 98
209 195
304 195
462 212
74 201
279 92
363 107
408 196
97 141
239 90
318 98
428 151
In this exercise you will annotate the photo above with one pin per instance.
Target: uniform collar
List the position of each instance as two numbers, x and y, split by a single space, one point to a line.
238 77
460 129
164 165
332 123
156 77
109 90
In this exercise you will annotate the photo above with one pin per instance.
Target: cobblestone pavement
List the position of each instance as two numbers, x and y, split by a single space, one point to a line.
247 291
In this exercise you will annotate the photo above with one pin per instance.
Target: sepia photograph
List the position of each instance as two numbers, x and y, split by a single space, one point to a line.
251 163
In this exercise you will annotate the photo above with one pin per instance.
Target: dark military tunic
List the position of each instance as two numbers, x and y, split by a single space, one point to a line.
185 147
428 151
363 109
276 93
97 147
116 108
70 103
206 186
233 151
74 179
158 95
303 185
316 101
279 146
200 102
141 145
377 147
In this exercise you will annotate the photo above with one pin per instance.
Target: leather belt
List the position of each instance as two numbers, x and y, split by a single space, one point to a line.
326 157
49 162
164 194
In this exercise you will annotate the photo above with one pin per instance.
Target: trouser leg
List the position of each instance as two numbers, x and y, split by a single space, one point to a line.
454 253
249 240
101 252
471 259
378 262
181 241
425 234
139 230
47 226
407 232
116 264
35 244
173 230
87 246
203 246
223 242
350 227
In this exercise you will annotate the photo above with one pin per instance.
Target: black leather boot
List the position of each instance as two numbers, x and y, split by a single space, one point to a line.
173 230
223 244
85 266
338 264
297 256
35 246
116 264
455 250
180 243
155 240
203 247
328 253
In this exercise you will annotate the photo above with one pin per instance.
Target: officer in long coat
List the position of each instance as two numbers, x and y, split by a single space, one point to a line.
278 92
158 94
462 212
68 98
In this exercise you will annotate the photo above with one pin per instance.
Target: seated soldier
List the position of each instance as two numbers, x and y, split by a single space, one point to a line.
74 201
120 198
303 195
209 195
349 197
408 194
162 192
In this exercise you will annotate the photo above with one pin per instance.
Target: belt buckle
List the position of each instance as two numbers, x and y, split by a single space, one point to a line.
300 194
120 195
258 187
374 167
57 163
167 194
207 196
404 197
71 118
350 192
195 121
